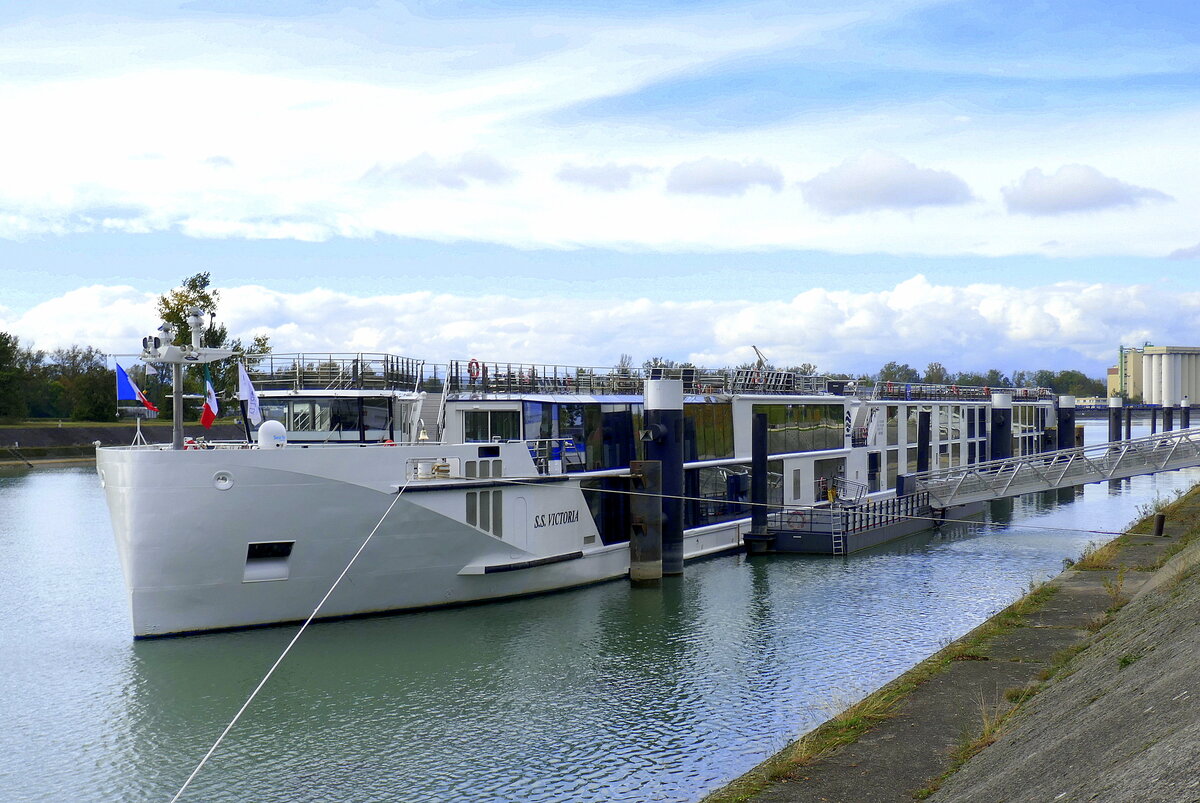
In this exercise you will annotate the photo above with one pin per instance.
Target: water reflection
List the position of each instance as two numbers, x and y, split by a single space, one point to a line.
606 693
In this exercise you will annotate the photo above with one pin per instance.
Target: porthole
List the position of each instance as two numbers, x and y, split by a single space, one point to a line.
222 480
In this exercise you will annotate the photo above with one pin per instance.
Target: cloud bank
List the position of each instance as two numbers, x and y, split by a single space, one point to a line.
1074 188
977 326
877 180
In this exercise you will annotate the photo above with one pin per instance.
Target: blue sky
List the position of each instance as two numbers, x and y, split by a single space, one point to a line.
982 184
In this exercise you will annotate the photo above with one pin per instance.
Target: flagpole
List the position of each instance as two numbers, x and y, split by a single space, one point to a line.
245 419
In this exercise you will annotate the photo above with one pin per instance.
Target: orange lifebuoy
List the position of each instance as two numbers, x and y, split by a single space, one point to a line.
473 368
389 442
190 443
889 387
954 389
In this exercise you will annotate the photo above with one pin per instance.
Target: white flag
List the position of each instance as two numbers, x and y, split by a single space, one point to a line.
246 393
151 370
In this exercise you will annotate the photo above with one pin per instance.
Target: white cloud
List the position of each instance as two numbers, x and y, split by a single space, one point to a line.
427 171
244 126
877 180
722 177
978 326
609 177
1074 188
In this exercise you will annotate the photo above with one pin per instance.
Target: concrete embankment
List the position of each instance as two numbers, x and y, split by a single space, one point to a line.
70 440
1086 689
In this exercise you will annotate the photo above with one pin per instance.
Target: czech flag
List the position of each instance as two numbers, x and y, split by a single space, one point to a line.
209 413
127 391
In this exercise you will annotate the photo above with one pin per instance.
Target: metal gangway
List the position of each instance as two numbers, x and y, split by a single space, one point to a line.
1046 471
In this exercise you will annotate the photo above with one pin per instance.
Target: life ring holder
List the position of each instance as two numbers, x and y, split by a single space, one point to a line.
473 369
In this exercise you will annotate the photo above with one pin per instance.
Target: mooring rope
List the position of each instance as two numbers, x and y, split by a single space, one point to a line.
771 506
291 644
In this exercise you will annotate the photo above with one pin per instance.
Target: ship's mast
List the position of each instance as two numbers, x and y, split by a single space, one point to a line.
162 348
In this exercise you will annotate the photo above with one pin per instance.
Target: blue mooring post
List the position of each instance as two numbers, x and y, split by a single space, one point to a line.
924 436
1114 418
664 443
758 475
1000 440
1066 422
1185 413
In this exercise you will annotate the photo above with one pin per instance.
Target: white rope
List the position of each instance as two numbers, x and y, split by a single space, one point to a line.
288 648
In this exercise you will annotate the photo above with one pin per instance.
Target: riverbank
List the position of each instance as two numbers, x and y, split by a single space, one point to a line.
1068 694
70 440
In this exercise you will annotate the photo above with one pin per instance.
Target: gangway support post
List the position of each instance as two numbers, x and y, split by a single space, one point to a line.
1066 422
1001 432
645 519
924 436
758 475
664 443
1114 418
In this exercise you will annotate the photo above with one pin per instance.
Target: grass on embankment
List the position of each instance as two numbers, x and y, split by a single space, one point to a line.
848 726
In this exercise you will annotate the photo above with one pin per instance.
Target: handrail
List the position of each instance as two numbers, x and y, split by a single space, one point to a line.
995 479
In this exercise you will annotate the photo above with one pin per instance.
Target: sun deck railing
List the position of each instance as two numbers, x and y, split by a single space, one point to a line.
475 376
329 371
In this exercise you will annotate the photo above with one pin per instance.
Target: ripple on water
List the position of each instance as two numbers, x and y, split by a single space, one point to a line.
601 694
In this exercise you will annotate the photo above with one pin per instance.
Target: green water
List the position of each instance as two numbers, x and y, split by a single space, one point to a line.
606 693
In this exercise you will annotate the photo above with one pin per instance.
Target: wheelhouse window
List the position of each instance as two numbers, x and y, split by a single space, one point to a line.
482 426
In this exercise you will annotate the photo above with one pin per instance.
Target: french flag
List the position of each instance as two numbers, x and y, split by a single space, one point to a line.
127 391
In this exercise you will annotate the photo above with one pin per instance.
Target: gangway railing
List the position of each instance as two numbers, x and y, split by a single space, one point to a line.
1047 471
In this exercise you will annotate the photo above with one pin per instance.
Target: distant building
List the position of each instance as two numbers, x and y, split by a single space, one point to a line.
1161 375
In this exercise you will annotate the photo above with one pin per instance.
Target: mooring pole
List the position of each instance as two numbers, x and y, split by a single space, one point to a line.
1168 416
1066 422
1129 423
1114 418
645 520
664 443
1001 434
758 475
1153 419
924 436
1185 413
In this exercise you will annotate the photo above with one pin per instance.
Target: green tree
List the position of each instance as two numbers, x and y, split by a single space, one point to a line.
197 292
13 404
936 374
87 385
898 372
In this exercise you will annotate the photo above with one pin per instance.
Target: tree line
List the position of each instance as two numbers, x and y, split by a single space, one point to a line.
76 382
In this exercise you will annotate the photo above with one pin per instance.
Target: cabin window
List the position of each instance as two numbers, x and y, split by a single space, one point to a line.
803 427
893 463
485 510
893 428
714 429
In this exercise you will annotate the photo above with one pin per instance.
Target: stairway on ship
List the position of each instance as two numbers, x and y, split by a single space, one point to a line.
431 406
